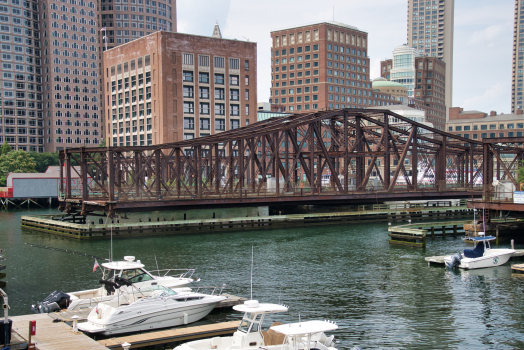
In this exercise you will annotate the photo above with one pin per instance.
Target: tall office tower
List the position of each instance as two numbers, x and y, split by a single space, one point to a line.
518 58
70 74
21 118
127 20
168 87
424 78
321 66
430 30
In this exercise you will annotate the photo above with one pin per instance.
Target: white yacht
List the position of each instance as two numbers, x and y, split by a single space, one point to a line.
249 335
148 308
481 256
120 274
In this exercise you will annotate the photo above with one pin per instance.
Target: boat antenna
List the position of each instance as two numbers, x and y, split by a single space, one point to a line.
157 269
484 221
111 242
475 220
252 250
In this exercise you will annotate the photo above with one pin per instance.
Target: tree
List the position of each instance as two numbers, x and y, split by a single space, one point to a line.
44 160
5 148
520 176
15 162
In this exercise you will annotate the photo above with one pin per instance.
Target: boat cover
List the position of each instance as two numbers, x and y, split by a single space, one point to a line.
475 253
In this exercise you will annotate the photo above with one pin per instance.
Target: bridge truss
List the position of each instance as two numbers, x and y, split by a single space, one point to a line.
340 156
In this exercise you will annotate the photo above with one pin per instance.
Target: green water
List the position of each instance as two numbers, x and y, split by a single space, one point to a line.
381 296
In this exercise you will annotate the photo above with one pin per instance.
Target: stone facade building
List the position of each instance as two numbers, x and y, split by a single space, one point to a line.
167 87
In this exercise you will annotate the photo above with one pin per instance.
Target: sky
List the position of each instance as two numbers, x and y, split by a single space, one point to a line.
483 36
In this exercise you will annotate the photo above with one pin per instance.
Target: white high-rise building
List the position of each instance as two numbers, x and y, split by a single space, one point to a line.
403 70
430 30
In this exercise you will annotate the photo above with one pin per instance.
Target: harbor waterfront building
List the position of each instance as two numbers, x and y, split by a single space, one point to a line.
167 87
21 100
430 30
321 66
517 77
424 78
478 125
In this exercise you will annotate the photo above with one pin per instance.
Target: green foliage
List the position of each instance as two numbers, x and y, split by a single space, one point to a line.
5 148
15 162
44 160
103 143
520 174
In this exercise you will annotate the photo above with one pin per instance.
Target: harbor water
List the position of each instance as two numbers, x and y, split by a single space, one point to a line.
381 296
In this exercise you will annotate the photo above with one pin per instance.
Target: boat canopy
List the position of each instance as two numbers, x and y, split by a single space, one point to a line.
303 328
483 238
253 306
128 263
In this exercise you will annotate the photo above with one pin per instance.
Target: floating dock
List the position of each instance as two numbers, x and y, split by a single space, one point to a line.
161 226
414 235
171 336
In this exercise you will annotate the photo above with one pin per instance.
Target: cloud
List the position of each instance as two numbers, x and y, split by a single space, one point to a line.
485 101
487 35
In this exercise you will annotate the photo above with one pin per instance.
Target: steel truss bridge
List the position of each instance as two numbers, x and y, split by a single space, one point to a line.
341 156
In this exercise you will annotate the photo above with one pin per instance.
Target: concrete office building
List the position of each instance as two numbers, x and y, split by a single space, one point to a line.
70 74
517 78
167 87
21 115
424 78
321 66
430 30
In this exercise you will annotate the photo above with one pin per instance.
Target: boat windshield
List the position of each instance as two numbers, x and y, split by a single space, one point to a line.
250 320
160 292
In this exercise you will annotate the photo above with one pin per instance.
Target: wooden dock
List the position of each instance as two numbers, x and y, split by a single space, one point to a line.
415 235
517 268
439 260
161 226
52 335
169 336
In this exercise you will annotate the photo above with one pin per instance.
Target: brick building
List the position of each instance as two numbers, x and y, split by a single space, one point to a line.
478 125
166 87
424 76
322 66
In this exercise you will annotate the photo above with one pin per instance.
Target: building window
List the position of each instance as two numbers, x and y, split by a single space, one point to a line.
235 124
235 110
203 61
189 108
220 124
234 95
188 76
246 64
220 109
204 108
219 79
204 124
219 62
189 123
203 78
234 80
234 63
187 58
204 92
188 91
220 94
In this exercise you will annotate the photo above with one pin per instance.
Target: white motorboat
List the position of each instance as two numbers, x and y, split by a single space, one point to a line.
249 335
149 308
121 274
481 256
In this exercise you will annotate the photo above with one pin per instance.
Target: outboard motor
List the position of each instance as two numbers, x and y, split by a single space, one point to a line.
455 261
54 302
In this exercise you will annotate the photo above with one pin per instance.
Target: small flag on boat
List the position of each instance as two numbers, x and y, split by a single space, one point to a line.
95 266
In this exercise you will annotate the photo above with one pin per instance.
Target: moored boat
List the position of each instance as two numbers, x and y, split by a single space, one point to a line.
482 256
119 274
249 335
149 308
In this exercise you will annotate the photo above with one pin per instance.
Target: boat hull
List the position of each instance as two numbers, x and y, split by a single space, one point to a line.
155 317
496 257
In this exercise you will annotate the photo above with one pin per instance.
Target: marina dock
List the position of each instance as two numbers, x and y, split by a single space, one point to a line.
52 335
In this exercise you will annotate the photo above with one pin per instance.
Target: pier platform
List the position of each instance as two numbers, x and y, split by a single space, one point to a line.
400 212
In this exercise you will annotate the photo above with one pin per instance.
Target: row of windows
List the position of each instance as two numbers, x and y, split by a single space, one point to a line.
59 139
131 65
485 127
68 114
23 139
492 135
120 140
220 108
220 93
205 124
68 131
203 78
21 131
21 121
